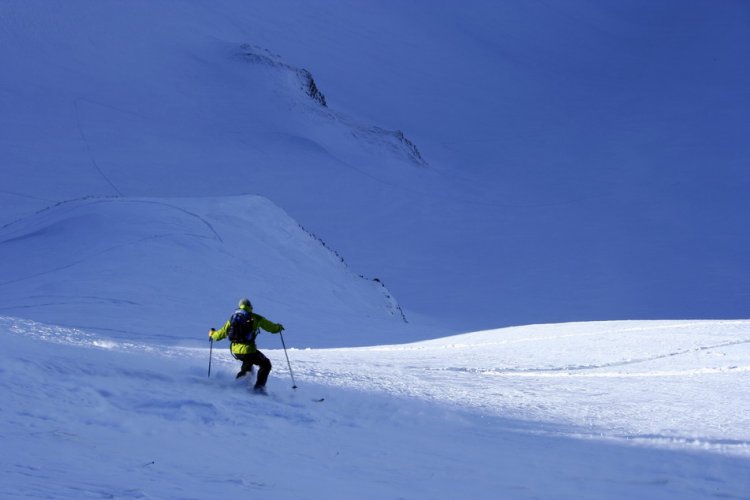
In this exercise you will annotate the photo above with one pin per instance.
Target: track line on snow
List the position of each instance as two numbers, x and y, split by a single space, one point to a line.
90 150
648 374
573 370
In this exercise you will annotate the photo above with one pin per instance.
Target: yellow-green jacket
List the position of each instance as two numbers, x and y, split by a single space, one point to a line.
258 322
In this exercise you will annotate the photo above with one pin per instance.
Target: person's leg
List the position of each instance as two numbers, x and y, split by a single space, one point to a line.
264 369
247 364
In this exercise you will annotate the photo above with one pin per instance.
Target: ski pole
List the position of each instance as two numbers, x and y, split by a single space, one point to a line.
210 354
294 386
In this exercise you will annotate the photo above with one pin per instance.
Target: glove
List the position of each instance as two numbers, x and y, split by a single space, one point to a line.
210 332
281 327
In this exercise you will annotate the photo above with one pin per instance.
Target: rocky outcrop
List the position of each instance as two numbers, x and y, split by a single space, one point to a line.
303 79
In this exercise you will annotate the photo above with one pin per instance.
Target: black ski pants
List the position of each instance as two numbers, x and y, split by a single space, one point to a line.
259 359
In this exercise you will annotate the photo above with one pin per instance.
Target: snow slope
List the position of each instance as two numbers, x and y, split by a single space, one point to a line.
591 410
170 268
575 161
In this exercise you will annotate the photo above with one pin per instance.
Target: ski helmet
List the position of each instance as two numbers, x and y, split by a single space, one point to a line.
246 303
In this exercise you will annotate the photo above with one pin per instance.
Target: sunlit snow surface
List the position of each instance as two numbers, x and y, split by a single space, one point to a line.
588 410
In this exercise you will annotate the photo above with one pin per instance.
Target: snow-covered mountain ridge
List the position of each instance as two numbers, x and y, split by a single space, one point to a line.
586 160
93 262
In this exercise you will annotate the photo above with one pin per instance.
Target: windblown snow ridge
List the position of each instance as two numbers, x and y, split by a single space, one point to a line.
259 55
304 80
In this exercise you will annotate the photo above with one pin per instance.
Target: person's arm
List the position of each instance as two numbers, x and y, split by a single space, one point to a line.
220 333
269 326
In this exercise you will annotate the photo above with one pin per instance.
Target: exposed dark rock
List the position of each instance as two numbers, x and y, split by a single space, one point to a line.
308 83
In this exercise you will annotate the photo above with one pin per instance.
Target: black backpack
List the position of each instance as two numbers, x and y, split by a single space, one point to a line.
241 327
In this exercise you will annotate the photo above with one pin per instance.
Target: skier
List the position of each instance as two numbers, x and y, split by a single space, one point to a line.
242 329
